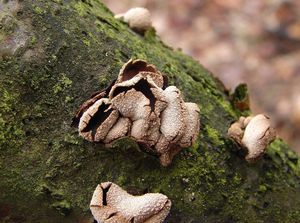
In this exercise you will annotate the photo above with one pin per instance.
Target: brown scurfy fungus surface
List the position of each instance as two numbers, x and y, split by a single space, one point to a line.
134 67
254 134
139 104
93 98
97 120
111 204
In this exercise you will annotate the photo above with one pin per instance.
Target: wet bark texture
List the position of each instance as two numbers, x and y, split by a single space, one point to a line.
53 56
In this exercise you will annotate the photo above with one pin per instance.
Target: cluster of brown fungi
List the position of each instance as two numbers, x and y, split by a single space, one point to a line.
140 104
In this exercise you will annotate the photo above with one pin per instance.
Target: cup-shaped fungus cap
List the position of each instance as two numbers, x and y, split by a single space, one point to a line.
119 130
142 68
254 134
135 106
180 125
97 120
142 101
111 204
172 119
236 130
93 98
192 123
257 136
246 121
138 19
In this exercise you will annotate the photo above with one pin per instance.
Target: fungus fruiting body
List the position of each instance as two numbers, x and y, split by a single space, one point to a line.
111 204
254 134
138 19
139 104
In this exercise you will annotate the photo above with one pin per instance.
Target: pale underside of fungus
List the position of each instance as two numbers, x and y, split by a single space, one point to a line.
138 19
254 134
139 104
111 204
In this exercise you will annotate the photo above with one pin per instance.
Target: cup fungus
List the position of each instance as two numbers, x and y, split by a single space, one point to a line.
138 19
139 104
111 204
254 134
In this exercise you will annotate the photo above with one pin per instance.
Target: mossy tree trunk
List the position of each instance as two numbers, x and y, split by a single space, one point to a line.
53 56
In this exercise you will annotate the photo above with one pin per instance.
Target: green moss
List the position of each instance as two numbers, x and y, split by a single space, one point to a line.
240 99
57 1
281 155
86 42
63 83
11 132
38 10
262 188
81 9
32 41
213 134
64 207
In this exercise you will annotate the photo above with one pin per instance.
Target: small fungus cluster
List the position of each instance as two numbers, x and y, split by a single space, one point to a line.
111 204
254 134
139 104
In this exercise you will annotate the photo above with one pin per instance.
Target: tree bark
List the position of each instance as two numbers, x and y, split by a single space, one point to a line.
53 56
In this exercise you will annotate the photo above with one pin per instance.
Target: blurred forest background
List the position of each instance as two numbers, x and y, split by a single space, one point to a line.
255 42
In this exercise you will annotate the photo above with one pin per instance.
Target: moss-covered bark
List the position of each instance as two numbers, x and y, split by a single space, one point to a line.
53 55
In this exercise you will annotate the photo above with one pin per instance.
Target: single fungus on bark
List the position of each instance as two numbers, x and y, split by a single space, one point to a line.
254 134
111 204
138 19
139 104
